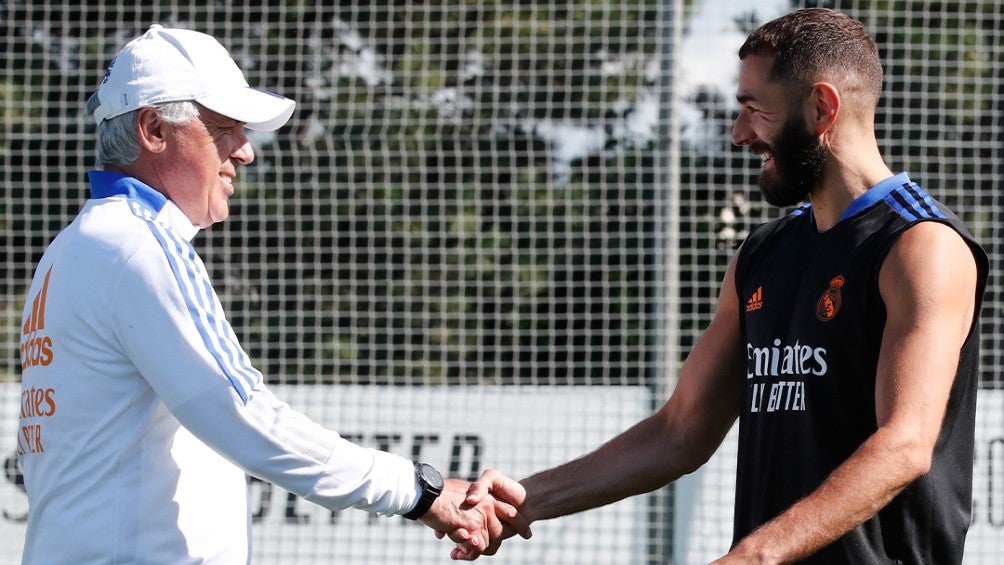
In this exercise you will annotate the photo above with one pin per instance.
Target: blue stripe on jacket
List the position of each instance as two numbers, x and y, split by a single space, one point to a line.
190 273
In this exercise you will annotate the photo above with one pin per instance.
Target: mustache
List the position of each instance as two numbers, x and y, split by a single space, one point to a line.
759 147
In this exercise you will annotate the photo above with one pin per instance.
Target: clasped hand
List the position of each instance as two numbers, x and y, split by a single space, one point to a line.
478 516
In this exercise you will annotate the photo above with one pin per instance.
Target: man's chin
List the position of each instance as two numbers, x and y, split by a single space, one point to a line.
220 213
780 195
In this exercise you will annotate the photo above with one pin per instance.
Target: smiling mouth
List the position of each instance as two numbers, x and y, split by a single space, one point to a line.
767 160
229 181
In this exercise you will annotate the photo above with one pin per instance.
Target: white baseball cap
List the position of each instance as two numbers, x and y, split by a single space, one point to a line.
172 65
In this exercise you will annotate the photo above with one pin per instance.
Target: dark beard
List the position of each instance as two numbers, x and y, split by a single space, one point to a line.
798 164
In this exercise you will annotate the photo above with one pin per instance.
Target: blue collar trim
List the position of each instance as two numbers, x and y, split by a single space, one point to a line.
875 194
105 184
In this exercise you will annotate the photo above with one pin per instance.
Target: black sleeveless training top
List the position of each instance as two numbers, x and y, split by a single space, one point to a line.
811 323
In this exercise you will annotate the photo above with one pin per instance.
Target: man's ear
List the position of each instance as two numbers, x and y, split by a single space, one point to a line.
152 130
825 100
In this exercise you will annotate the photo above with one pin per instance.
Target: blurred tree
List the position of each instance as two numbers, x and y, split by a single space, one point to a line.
456 199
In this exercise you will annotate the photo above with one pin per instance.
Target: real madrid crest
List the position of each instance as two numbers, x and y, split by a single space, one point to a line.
829 302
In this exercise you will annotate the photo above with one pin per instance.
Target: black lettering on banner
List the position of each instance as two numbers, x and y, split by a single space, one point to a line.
291 516
466 468
264 498
12 472
265 503
354 438
995 454
419 441
385 441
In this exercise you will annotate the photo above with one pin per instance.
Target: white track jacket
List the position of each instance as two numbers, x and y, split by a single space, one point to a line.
140 411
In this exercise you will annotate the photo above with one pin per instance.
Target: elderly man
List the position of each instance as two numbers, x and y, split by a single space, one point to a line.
141 412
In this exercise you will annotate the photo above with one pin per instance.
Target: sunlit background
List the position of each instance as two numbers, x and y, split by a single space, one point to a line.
492 230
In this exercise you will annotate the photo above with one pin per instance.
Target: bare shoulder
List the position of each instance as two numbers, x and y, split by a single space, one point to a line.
927 247
930 274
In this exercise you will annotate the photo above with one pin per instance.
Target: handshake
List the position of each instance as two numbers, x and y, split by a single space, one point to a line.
478 516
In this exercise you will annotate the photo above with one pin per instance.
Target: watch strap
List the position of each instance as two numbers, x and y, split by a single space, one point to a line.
427 476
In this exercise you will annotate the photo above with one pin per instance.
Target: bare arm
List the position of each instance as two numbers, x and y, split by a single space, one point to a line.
674 441
928 284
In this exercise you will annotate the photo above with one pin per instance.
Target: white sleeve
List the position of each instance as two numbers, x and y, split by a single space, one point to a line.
172 327
270 440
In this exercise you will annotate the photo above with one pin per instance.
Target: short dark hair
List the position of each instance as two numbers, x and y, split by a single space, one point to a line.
820 44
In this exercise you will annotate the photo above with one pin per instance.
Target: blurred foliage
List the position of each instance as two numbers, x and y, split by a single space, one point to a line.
385 235
410 224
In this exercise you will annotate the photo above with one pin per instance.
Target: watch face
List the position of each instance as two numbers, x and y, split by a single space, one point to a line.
431 476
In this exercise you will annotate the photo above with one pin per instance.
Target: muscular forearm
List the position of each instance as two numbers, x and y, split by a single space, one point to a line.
879 470
642 459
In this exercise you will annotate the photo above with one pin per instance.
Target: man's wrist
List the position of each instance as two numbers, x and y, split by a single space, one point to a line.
430 483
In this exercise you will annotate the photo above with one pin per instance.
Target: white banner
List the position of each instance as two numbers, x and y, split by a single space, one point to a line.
518 431
461 431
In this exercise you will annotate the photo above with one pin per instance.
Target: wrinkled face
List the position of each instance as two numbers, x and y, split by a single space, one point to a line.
200 165
773 126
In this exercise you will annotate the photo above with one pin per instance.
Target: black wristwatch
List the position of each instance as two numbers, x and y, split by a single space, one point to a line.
432 487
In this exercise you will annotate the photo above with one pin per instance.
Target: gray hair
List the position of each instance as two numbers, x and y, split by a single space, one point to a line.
118 143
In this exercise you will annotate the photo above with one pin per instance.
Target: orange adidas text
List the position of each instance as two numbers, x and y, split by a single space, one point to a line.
36 351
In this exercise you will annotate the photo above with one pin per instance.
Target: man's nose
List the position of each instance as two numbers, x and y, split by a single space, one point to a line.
742 133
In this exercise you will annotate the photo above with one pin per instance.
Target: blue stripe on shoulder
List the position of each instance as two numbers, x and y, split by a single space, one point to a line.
207 313
189 271
913 203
